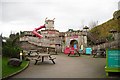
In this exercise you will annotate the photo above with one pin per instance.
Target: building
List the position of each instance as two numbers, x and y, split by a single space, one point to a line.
50 35
75 38
50 38
54 38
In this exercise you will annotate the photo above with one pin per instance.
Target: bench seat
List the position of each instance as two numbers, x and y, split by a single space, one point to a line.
52 59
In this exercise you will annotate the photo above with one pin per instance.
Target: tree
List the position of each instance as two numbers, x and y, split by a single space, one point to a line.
92 24
11 47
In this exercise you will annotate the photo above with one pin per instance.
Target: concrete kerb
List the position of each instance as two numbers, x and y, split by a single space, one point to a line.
7 77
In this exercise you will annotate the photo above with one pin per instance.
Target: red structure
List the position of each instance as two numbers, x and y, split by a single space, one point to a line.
36 29
68 50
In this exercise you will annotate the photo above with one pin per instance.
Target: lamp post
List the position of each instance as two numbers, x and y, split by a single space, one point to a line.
85 28
113 32
21 56
47 50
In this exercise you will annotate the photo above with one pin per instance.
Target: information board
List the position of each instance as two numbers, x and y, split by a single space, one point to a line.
88 50
113 58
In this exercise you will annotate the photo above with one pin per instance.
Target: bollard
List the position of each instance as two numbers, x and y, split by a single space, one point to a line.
21 56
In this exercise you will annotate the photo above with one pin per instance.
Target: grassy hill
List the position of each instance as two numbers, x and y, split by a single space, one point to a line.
102 31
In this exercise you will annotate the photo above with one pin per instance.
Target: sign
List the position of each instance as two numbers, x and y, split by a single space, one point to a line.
112 61
113 58
88 50
73 37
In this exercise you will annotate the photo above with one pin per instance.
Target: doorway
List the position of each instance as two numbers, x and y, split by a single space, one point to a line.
74 43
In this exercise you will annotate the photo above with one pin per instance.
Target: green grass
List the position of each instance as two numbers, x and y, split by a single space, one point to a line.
8 70
102 30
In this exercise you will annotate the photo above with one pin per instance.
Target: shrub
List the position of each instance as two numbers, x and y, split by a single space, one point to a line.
11 48
11 51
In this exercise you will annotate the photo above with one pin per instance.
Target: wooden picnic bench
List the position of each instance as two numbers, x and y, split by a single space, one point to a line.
52 59
100 53
32 51
41 58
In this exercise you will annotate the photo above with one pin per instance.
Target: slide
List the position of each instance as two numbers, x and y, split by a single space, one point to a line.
36 29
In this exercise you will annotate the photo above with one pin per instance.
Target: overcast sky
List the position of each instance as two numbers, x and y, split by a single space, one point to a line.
25 15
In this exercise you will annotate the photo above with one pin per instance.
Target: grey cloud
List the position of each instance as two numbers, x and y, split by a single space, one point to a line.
0 11
32 1
68 13
13 11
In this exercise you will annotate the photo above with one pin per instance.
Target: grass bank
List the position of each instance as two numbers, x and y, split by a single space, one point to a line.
9 70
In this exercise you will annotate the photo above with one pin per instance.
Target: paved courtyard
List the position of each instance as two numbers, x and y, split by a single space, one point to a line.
66 67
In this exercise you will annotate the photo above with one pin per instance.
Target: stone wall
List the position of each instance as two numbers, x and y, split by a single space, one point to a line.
25 45
113 44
